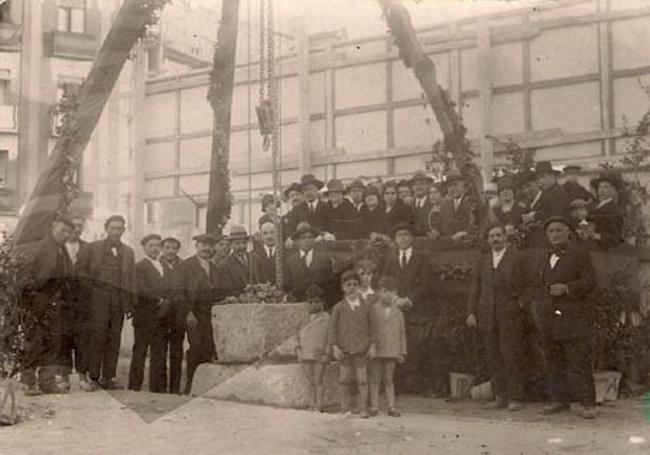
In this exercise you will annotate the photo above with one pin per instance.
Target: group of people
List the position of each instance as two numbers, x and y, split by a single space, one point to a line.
88 289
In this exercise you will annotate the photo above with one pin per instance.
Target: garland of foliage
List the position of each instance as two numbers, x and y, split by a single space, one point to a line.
260 293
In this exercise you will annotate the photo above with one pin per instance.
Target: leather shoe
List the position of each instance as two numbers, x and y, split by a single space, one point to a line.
554 408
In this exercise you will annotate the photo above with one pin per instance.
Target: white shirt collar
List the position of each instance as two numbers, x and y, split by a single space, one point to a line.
157 265
605 201
268 249
408 252
366 292
497 256
536 198
354 303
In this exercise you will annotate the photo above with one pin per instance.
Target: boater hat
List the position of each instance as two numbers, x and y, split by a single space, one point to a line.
238 233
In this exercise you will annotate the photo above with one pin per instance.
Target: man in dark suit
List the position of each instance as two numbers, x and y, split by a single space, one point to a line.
45 322
200 287
240 268
493 307
555 283
108 267
420 183
171 335
267 250
410 267
355 194
151 296
77 308
311 210
551 200
341 219
607 215
308 266
455 212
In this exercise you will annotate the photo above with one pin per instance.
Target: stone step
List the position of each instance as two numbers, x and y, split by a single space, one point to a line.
282 385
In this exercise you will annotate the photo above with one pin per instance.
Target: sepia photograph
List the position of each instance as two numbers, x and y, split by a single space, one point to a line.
325 227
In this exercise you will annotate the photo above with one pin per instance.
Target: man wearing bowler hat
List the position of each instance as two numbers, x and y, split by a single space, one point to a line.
200 287
420 183
308 266
311 210
550 200
554 284
341 216
241 267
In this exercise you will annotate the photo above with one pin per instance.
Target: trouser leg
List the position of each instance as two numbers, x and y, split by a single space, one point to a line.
375 372
345 382
142 340
495 362
579 375
112 351
361 376
557 368
158 359
201 347
319 371
511 342
177 336
98 326
388 370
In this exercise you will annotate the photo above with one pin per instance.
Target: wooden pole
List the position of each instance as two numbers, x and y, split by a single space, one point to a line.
220 97
54 190
304 97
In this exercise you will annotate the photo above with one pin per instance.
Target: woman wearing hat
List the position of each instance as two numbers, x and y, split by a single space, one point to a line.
372 218
508 212
340 215
395 210
607 215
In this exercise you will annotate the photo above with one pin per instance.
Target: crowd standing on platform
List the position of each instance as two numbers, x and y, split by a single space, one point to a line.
536 271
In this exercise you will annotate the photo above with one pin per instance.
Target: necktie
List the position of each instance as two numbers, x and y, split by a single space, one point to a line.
403 261
456 203
271 252
312 207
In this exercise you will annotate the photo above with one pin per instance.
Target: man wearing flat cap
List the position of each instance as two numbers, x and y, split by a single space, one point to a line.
308 266
48 293
200 287
555 285
550 200
241 267
341 216
311 210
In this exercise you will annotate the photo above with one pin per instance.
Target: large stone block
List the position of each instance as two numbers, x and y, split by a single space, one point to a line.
247 332
282 385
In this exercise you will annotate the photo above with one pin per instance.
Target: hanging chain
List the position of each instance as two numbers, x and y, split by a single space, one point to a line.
262 51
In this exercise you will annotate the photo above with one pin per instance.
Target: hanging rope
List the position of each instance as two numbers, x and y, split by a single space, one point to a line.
249 120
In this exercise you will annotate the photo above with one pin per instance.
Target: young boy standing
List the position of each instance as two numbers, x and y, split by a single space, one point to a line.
350 340
389 336
312 349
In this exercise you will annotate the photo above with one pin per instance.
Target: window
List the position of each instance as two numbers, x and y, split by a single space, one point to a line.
4 161
72 16
151 213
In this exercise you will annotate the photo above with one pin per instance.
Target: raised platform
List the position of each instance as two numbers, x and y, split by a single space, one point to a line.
281 385
249 332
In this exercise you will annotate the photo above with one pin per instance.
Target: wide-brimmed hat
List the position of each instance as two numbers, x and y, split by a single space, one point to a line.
207 238
403 225
571 168
295 186
356 183
238 233
525 177
545 167
304 228
268 199
334 185
490 187
578 204
556 219
310 179
610 177
419 176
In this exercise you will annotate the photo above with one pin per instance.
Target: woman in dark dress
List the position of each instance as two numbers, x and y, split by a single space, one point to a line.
394 209
372 217
607 215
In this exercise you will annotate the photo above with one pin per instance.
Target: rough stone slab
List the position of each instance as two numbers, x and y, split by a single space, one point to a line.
281 385
207 376
246 332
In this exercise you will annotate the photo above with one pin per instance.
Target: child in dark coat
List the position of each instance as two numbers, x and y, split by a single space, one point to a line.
312 348
350 340
389 337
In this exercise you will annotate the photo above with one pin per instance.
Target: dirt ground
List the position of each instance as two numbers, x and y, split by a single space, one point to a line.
125 422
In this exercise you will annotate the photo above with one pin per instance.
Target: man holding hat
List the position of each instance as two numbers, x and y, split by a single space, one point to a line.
48 293
550 200
308 266
555 285
607 215
311 210
420 183
200 287
340 216
241 267
571 187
